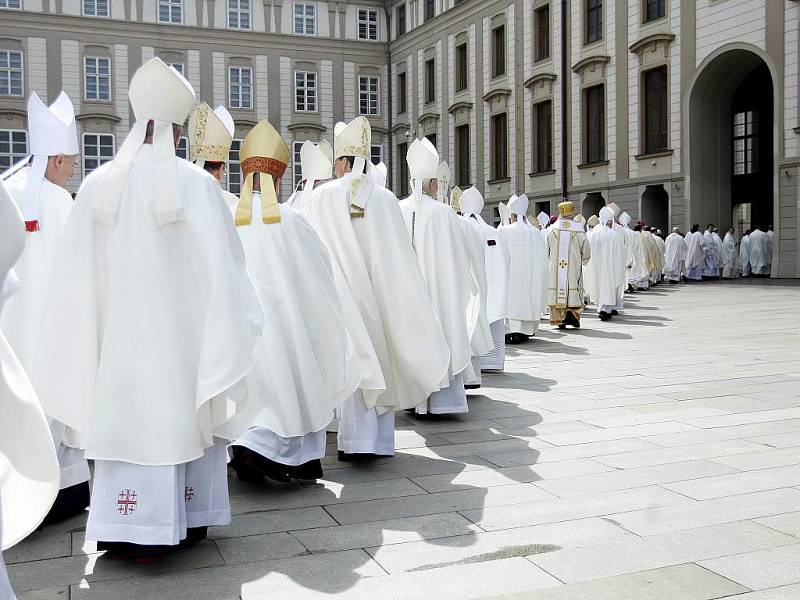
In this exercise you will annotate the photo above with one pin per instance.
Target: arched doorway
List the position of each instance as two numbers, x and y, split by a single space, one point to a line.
592 204
730 123
655 207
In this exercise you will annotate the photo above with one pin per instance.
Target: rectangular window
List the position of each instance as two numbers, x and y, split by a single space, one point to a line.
499 51
305 91
745 142
594 20
177 66
98 149
654 9
499 146
97 78
543 137
462 71
12 4
367 24
10 73
234 170
297 166
595 124
305 18
402 90
462 156
541 25
240 87
655 110
182 151
401 19
239 14
430 80
92 8
402 170
376 154
170 11
430 9
13 147
368 95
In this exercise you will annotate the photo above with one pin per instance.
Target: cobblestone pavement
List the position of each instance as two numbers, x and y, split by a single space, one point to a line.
653 457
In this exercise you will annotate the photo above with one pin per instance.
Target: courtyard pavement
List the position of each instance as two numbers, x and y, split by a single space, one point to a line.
655 457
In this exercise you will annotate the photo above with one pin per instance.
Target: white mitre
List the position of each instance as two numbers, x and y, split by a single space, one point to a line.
160 94
210 134
316 162
379 174
505 213
423 164
624 219
355 139
606 215
543 218
519 205
443 176
51 131
471 202
615 209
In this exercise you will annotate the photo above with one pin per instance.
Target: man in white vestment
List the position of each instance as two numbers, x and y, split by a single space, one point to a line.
210 139
443 187
718 243
443 251
637 271
362 226
29 468
730 255
316 167
744 254
605 254
568 250
151 327
695 254
623 258
497 262
37 185
760 252
675 256
712 259
527 274
655 262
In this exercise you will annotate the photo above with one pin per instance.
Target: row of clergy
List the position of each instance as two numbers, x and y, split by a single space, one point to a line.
160 323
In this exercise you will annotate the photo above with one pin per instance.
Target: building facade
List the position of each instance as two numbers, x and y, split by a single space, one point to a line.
680 111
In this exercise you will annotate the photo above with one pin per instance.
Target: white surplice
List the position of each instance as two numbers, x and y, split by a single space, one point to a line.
744 256
604 244
730 257
760 252
675 257
695 256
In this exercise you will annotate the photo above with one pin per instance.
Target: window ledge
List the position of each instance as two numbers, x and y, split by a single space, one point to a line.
597 163
658 154
797 130
499 181
542 173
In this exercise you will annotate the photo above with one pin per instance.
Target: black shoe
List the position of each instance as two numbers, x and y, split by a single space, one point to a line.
117 550
309 471
562 325
356 457
70 502
148 555
245 470
604 316
614 312
472 386
195 534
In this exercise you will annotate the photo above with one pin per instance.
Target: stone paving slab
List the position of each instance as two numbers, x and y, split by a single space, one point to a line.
654 457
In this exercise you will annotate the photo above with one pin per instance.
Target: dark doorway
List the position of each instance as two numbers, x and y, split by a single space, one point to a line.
655 207
592 204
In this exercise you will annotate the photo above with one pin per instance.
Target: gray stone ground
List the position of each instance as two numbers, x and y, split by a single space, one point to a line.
656 457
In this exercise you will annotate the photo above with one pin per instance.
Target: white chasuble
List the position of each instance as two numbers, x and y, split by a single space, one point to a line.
378 264
527 276
603 267
440 246
151 327
29 473
304 365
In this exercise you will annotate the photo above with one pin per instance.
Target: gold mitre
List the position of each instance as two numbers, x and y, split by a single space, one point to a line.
455 198
209 134
352 139
263 151
593 220
566 209
580 219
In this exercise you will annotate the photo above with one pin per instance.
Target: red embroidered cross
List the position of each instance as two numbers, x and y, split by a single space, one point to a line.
188 494
126 502
31 226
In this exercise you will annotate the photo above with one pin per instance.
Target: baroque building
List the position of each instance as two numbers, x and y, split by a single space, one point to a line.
680 111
